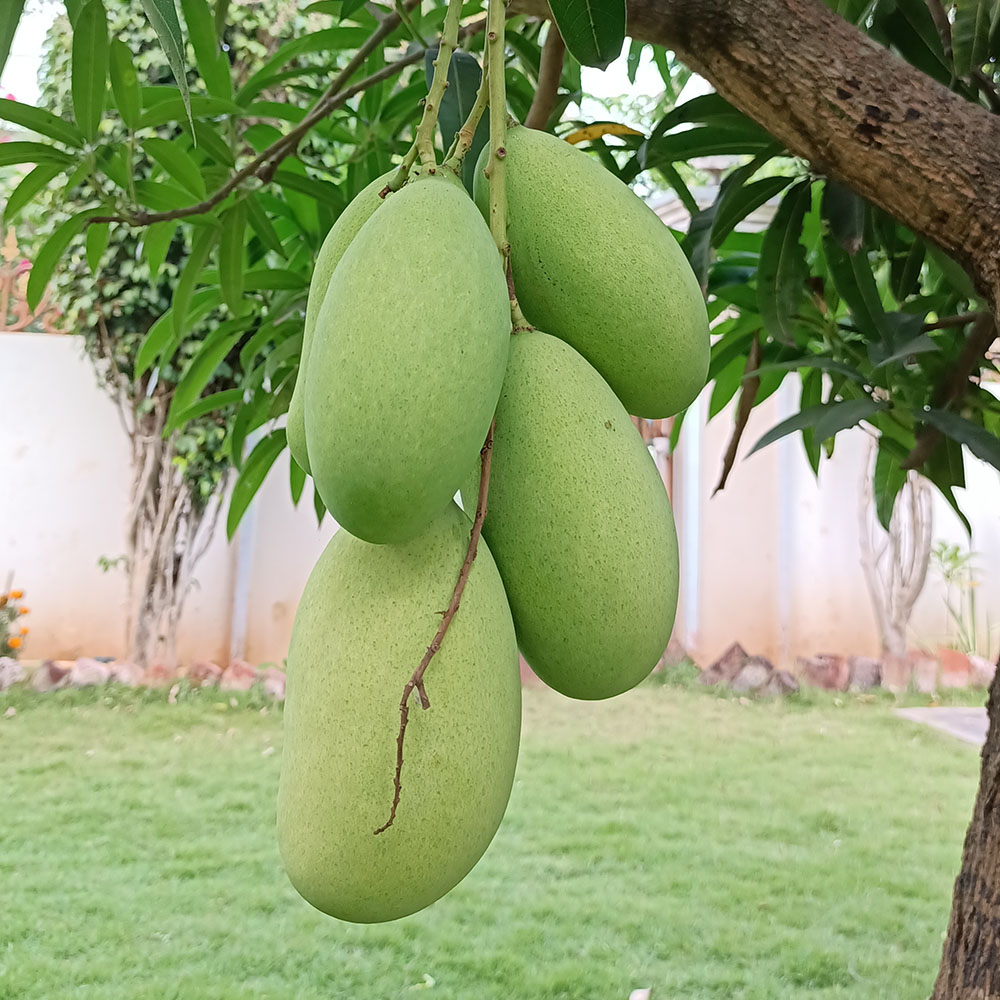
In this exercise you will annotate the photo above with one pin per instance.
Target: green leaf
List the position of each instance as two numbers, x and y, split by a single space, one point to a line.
317 190
210 59
201 247
162 15
697 245
41 121
977 439
156 240
273 278
231 242
51 252
160 340
782 272
256 467
706 140
221 15
888 480
209 404
200 370
594 30
207 136
173 109
10 15
97 241
845 213
817 362
262 226
32 152
970 34
826 419
904 277
855 283
177 163
319 506
125 84
32 182
90 67
736 203
296 480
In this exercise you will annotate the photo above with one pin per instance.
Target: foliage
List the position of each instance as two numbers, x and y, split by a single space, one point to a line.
594 887
957 568
13 632
874 325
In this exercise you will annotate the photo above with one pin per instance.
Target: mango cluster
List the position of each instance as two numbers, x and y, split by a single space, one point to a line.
407 356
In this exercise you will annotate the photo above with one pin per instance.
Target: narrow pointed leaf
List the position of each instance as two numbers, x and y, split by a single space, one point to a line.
97 241
209 404
844 212
783 270
231 270
977 439
827 419
31 152
156 240
30 185
296 480
51 252
177 163
125 84
10 15
255 469
888 480
737 203
204 241
209 57
41 121
970 34
594 30
90 67
162 15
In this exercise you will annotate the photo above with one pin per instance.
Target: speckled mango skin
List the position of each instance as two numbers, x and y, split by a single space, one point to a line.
338 239
594 266
407 362
365 620
579 524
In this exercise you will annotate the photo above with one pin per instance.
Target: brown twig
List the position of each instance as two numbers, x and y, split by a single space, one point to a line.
748 396
953 389
962 319
549 74
416 681
264 165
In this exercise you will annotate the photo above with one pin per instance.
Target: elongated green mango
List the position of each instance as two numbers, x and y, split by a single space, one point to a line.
407 362
338 239
579 524
363 625
594 266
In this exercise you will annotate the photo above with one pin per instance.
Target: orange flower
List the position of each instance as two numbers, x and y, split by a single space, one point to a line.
25 630
16 595
22 611
14 642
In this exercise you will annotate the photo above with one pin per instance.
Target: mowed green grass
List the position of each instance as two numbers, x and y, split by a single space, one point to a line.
669 838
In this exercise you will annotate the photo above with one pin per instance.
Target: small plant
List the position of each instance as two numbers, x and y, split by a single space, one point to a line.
958 570
12 631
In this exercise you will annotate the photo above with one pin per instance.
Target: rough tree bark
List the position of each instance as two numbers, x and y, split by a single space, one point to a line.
931 159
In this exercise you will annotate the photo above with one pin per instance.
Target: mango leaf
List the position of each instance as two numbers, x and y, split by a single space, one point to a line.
593 30
296 480
888 480
156 240
97 241
162 15
32 152
256 467
826 419
844 212
970 34
32 182
10 15
977 439
201 246
41 121
737 202
90 67
209 141
159 341
855 283
782 272
262 226
706 140
318 505
231 270
125 84
210 59
209 404
904 276
51 252
177 163
166 112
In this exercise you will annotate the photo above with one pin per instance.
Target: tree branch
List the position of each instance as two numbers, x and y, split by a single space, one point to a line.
549 74
416 681
856 111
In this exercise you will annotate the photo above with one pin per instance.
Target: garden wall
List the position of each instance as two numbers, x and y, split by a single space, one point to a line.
772 561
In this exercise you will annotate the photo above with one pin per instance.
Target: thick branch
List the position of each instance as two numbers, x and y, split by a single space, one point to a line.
549 74
850 107
416 681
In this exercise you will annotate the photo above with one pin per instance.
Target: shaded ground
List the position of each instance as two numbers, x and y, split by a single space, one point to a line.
702 846
966 724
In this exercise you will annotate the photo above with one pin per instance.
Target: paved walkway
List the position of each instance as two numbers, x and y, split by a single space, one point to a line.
966 724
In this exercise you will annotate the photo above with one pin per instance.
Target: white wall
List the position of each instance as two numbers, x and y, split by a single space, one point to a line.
771 561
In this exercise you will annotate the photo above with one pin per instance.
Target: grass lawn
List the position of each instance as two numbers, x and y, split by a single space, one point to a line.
669 838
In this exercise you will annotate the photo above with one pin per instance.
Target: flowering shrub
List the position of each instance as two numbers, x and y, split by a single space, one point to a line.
12 631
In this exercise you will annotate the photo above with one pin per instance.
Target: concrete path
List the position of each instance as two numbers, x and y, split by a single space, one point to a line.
966 724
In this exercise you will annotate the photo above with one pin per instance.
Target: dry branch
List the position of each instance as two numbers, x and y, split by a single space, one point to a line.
416 681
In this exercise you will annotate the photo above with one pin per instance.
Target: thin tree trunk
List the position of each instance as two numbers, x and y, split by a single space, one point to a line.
970 962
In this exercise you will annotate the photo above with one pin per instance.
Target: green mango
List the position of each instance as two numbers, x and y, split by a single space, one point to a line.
594 266
338 239
365 620
407 362
579 524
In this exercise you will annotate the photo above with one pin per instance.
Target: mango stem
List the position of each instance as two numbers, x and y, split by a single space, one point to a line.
424 141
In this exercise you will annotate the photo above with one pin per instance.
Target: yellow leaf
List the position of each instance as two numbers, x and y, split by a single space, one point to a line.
597 130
